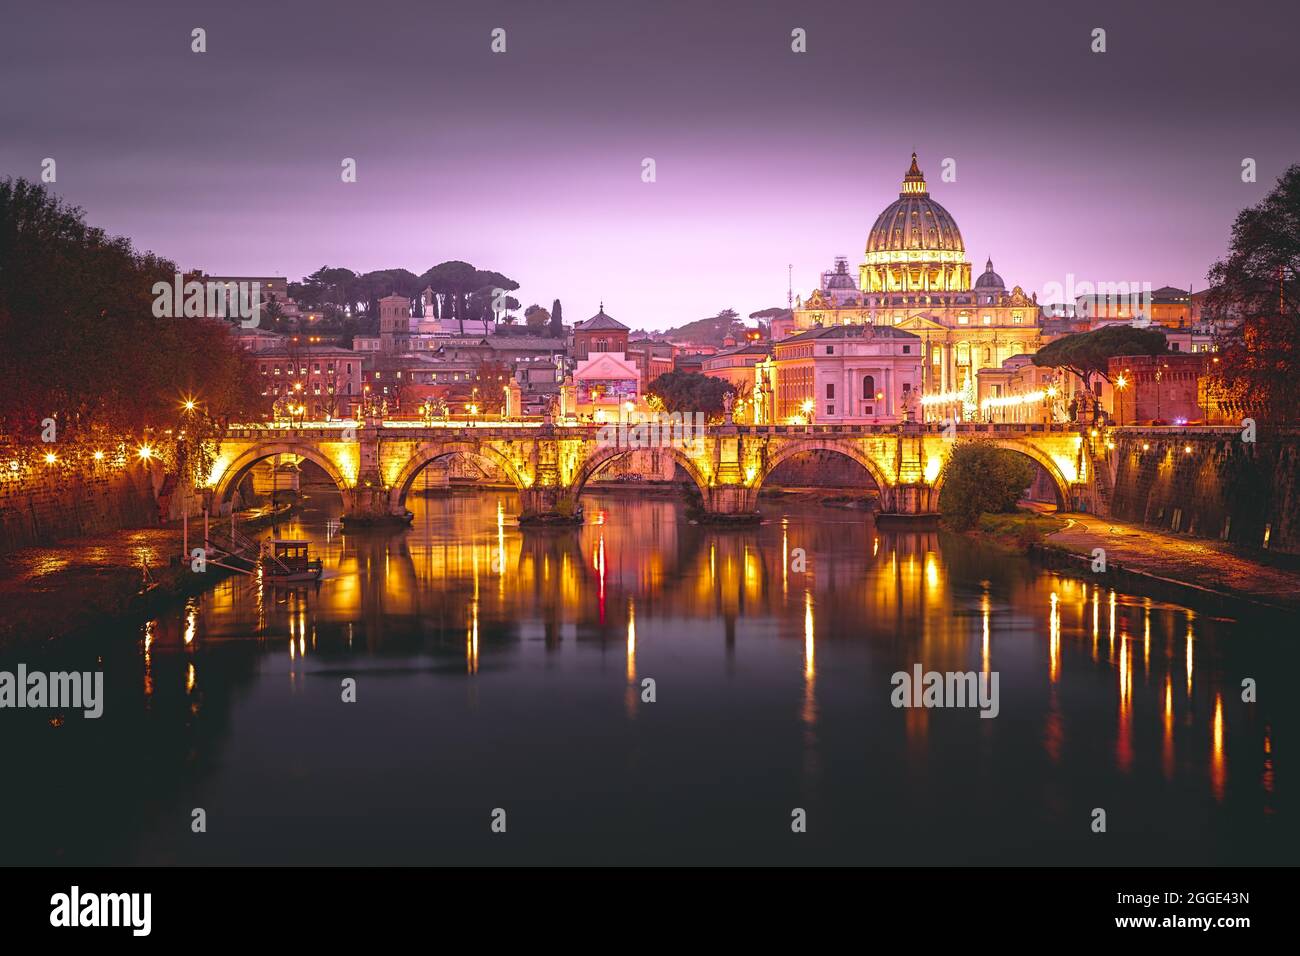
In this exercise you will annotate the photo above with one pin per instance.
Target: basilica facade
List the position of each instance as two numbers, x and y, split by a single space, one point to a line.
915 277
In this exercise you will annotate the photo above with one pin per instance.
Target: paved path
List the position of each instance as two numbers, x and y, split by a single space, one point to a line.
1213 565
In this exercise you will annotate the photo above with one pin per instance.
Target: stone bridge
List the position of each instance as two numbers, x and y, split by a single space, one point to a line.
375 464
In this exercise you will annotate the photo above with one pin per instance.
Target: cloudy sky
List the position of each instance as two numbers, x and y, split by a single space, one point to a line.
1116 166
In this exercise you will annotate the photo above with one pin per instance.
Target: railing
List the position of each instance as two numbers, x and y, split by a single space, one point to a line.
529 427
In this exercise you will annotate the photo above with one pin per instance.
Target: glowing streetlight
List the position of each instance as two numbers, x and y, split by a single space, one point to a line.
99 456
1121 383
145 452
50 458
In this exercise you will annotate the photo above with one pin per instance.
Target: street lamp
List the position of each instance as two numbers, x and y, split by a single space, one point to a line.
1121 383
807 409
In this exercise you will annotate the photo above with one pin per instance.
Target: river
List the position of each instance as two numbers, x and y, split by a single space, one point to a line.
500 670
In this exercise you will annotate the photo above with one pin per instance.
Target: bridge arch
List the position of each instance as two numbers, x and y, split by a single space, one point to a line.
848 449
234 473
426 454
602 456
1029 450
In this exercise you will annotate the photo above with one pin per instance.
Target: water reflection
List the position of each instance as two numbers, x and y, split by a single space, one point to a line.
494 662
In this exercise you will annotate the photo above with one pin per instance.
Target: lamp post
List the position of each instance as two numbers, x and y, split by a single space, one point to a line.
1121 383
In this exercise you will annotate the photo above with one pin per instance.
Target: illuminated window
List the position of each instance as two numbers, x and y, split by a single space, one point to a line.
963 319
988 320
869 387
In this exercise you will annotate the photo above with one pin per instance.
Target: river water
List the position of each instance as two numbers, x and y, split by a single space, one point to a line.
500 670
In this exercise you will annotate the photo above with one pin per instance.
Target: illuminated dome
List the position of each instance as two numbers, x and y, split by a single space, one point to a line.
915 244
915 222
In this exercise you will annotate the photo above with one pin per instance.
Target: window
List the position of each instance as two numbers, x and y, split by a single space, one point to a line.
830 350
830 409
830 389
963 319
988 356
907 350
936 355
277 370
1017 317
988 320
869 387
868 410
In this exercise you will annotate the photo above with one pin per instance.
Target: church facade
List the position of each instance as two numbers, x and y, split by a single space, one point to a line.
915 277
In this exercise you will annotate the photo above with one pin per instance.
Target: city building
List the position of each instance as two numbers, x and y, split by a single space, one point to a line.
736 367
600 333
326 381
840 374
1168 389
651 357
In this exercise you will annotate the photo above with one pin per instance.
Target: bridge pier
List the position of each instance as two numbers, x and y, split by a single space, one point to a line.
731 504
548 505
912 501
370 505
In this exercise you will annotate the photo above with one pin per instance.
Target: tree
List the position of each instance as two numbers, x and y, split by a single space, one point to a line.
80 343
557 320
980 478
1087 353
690 392
538 319
1256 289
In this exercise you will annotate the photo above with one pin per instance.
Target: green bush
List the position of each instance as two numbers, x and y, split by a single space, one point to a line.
981 478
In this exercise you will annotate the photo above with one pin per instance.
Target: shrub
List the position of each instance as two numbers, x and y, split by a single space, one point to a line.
982 478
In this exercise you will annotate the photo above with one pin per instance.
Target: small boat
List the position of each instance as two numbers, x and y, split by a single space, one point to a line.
288 560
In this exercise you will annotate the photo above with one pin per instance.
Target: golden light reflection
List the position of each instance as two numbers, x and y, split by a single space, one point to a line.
1189 655
191 621
1168 754
809 648
1218 765
1112 624
471 640
809 714
1053 639
785 557
148 657
1146 639
1096 620
984 613
189 678
631 642
1124 742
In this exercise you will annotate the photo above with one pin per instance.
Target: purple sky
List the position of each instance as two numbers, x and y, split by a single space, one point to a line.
1122 166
